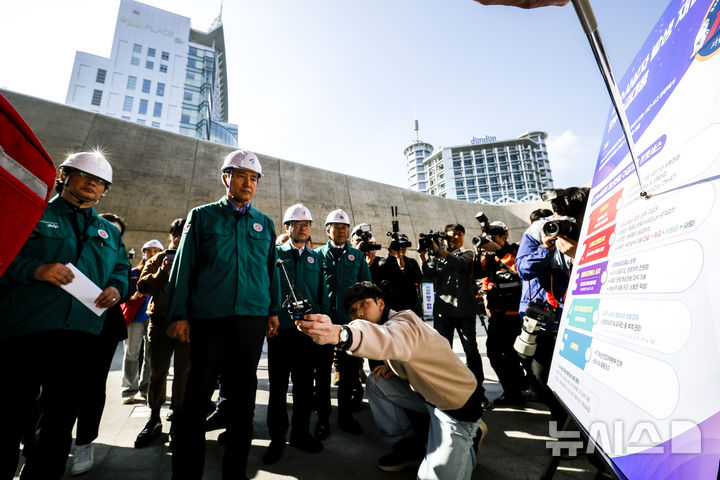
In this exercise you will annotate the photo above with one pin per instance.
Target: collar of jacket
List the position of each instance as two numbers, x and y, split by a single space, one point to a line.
61 207
286 247
229 206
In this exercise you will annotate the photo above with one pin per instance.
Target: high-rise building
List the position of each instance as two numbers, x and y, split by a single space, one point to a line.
160 73
485 171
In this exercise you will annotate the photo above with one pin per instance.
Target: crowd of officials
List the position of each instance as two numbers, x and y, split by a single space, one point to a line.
224 283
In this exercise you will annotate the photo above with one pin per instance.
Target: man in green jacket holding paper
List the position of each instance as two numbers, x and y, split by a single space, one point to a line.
47 333
223 298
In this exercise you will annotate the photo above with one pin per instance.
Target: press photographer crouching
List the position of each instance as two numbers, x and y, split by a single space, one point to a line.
501 289
543 262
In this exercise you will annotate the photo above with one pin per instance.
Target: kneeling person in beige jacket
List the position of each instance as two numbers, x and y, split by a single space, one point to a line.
421 374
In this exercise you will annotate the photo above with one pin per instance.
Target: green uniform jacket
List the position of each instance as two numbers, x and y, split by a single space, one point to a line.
309 280
340 275
28 305
224 266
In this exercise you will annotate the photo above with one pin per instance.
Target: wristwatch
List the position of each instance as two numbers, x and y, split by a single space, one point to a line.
345 337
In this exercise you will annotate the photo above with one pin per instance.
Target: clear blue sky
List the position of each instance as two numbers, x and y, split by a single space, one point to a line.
332 83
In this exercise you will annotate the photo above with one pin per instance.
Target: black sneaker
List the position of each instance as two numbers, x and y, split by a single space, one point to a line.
152 430
406 453
349 424
274 452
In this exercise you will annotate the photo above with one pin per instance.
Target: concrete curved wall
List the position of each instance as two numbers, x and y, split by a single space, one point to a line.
159 176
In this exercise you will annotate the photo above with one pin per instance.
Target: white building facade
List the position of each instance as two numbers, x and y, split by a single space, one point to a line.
160 73
487 171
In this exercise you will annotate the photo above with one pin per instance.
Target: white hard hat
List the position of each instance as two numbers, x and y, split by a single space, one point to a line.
90 162
337 216
358 227
297 212
153 244
498 224
242 159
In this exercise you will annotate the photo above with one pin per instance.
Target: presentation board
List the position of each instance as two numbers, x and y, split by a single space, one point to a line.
637 359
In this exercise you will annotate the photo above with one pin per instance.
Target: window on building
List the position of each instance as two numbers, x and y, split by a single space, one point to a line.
125 117
185 118
134 61
193 51
160 90
149 65
96 97
157 109
128 103
137 48
163 68
142 109
188 96
156 124
165 56
151 52
141 121
100 76
132 81
189 76
191 62
146 86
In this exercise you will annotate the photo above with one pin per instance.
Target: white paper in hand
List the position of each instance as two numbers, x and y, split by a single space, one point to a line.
84 290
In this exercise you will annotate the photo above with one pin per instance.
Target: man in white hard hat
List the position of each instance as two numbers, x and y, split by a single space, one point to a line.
290 352
223 297
344 266
47 334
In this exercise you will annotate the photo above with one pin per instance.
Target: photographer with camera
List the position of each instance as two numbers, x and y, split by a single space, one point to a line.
289 352
363 239
501 287
450 267
398 276
543 262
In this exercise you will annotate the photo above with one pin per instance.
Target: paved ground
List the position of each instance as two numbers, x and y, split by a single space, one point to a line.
515 447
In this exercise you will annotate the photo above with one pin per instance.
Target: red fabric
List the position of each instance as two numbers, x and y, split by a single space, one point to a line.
131 308
22 207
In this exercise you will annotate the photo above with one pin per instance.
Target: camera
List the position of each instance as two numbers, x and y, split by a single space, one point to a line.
566 227
295 304
170 254
399 240
539 318
568 202
363 238
425 241
480 240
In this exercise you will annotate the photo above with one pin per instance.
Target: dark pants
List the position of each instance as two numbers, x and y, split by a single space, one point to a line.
322 367
230 347
161 348
502 331
349 368
289 356
466 329
50 361
92 400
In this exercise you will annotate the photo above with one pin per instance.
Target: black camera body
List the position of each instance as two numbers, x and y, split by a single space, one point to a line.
565 227
425 241
295 304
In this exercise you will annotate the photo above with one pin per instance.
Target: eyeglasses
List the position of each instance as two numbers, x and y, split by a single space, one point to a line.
95 179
